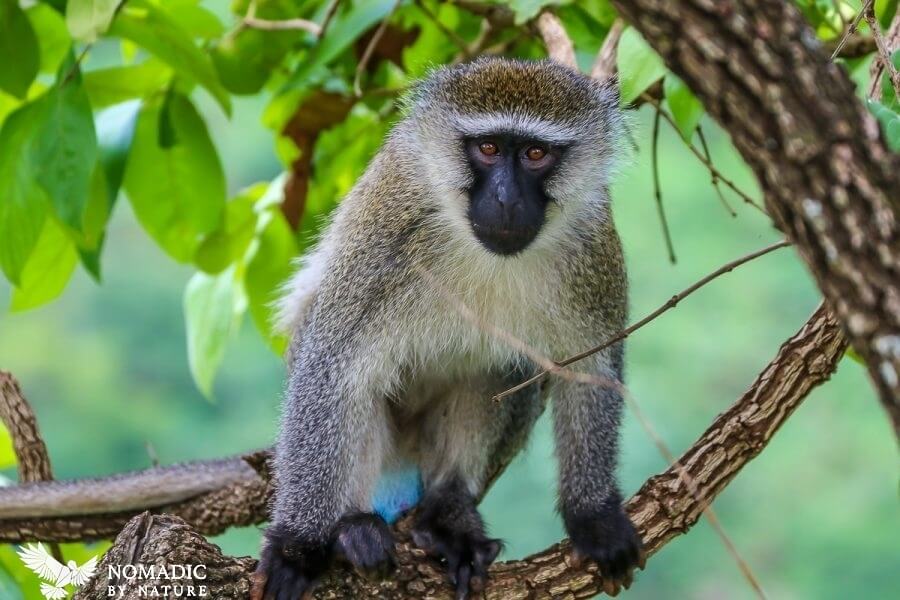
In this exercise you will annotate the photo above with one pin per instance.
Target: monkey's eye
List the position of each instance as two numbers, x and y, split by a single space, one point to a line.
488 148
536 153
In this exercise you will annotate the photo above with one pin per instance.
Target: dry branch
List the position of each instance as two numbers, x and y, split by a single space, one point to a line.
662 509
829 181
559 46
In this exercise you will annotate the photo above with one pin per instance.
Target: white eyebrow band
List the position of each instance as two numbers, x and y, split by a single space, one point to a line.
525 126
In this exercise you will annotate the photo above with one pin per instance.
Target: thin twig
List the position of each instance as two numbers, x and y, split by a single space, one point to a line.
657 189
714 174
671 303
370 48
604 65
329 17
559 46
884 52
713 170
251 21
852 29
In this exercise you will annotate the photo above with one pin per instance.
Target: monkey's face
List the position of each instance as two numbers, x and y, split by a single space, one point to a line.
508 198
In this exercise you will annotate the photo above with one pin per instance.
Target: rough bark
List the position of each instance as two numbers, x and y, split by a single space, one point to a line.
31 452
667 505
829 182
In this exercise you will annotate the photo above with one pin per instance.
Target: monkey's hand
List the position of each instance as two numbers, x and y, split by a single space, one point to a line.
289 568
606 536
463 546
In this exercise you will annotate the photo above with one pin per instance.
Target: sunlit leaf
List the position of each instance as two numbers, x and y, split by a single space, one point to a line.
268 267
526 10
50 28
117 84
7 453
87 19
196 20
685 108
638 64
230 242
889 121
148 26
48 268
177 191
18 49
212 311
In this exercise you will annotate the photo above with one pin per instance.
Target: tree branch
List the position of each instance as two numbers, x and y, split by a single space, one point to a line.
666 505
829 181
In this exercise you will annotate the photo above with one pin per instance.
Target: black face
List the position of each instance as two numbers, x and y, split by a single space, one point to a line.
507 199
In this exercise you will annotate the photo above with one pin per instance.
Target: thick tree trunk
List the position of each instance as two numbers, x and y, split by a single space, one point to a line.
829 182
666 506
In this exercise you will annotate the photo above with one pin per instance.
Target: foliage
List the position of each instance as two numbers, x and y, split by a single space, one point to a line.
106 98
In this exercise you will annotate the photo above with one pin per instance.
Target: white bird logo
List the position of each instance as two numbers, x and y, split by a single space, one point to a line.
56 574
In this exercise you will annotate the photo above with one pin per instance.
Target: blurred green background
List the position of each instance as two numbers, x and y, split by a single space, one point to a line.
816 515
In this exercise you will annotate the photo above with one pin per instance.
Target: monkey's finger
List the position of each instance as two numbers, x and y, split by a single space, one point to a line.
463 576
257 585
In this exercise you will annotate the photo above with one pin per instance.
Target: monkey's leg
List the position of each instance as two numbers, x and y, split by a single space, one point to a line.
328 458
465 439
586 424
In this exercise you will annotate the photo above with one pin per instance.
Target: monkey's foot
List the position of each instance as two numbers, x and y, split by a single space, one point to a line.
366 542
607 537
287 568
467 552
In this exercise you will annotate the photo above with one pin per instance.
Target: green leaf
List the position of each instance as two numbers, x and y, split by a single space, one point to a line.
48 269
268 267
148 26
66 147
213 309
177 192
230 242
341 34
889 121
526 10
19 49
115 130
7 453
685 108
23 204
50 28
106 87
87 19
194 19
639 66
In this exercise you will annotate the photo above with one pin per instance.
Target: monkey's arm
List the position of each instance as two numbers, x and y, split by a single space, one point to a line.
586 424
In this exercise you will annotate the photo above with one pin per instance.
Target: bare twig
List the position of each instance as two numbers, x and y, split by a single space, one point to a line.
370 48
852 29
714 174
709 165
671 303
329 17
883 59
604 65
657 189
559 46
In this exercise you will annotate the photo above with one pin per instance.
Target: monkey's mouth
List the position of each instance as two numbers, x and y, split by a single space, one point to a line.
504 241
